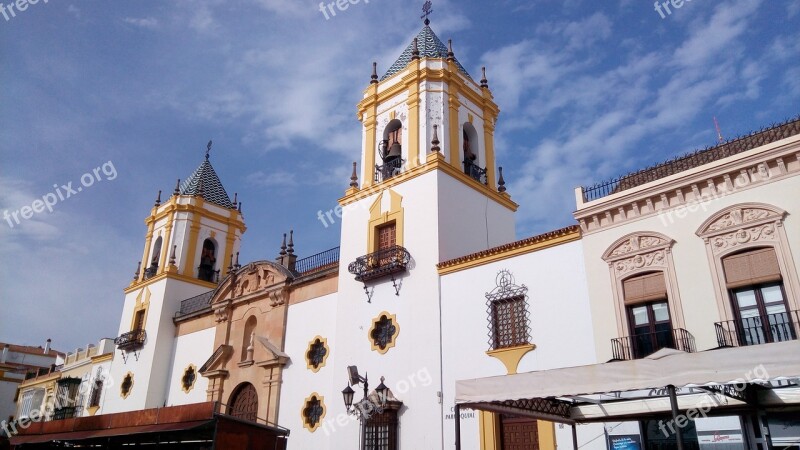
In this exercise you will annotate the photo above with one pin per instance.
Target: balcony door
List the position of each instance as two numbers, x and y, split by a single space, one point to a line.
761 314
651 328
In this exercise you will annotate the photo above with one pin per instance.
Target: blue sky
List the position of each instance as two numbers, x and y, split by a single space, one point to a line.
588 90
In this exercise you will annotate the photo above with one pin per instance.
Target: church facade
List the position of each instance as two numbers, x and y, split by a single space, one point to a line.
430 285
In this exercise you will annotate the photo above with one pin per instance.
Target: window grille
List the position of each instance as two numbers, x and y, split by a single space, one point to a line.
507 308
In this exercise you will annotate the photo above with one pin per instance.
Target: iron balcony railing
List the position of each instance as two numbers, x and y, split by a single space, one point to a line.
389 169
66 412
317 262
761 329
475 172
206 272
641 345
131 340
382 263
151 271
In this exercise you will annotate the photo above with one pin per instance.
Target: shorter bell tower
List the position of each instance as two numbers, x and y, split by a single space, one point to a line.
192 237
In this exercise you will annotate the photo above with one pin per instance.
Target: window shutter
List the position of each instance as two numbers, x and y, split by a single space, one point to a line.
750 268
651 286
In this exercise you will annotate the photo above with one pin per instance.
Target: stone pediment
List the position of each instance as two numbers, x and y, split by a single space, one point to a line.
260 276
739 217
636 244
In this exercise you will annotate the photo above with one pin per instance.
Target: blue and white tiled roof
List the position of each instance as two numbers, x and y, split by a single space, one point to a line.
429 46
213 192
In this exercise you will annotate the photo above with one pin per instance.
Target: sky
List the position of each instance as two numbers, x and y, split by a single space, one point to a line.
122 97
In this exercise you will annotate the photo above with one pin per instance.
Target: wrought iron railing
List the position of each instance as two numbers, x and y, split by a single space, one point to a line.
207 273
475 172
758 330
194 304
317 262
382 263
389 169
131 340
65 412
641 345
151 271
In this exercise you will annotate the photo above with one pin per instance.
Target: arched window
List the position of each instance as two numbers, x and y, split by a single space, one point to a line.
208 261
243 403
391 150
471 153
155 255
97 388
248 338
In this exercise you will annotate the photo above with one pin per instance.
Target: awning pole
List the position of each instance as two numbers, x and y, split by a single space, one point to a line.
458 426
574 436
673 401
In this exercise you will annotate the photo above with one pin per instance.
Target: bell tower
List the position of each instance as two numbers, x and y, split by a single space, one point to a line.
191 239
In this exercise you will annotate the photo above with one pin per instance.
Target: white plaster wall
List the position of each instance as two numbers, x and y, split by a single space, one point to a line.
304 322
193 348
560 322
8 389
109 388
693 271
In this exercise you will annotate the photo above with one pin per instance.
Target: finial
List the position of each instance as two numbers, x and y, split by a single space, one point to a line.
484 81
236 264
283 246
208 149
427 9
177 190
450 55
374 78
435 141
354 177
290 248
138 269
172 256
415 49
230 266
200 186
158 199
240 207
501 183
235 199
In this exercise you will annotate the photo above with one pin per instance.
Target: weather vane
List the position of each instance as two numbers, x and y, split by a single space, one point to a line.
427 8
208 149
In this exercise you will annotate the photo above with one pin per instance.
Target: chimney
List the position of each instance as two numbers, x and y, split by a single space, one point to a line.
47 346
5 355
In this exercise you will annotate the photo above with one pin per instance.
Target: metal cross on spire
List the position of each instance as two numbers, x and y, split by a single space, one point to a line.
427 8
208 149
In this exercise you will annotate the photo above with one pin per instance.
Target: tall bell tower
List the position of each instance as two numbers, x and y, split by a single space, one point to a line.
191 239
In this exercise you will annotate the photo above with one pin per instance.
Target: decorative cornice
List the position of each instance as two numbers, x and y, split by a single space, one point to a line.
521 247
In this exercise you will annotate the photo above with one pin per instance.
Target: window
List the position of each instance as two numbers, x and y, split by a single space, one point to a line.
317 353
31 401
154 260
381 431
97 389
66 401
188 378
138 320
651 328
208 261
383 333
757 295
387 236
313 412
126 386
508 313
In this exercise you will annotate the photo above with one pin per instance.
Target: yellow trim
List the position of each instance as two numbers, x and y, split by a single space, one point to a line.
163 261
490 432
184 388
392 341
488 144
102 358
412 84
93 410
171 276
510 357
455 139
125 395
194 233
148 239
324 343
321 417
235 219
547 435
229 240
509 251
368 114
433 163
377 218
141 305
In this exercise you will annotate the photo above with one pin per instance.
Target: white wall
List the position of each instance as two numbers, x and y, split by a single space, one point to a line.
193 348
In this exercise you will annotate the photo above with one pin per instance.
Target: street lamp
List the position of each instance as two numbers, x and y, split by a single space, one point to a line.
365 408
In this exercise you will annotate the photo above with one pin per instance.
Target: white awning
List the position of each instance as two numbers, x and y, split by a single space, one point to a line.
549 391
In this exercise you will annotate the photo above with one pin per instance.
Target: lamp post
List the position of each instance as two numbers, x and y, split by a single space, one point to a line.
365 408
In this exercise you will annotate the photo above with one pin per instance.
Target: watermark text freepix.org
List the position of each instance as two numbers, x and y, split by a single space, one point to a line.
20 5
63 192
661 7
341 5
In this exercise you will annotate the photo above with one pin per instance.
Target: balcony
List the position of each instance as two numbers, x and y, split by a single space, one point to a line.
390 168
132 340
641 345
380 264
762 329
151 271
475 172
206 272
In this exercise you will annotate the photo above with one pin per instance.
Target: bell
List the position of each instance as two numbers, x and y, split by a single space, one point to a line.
383 148
395 150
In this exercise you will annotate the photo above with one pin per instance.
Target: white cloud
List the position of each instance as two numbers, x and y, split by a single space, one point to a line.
146 22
